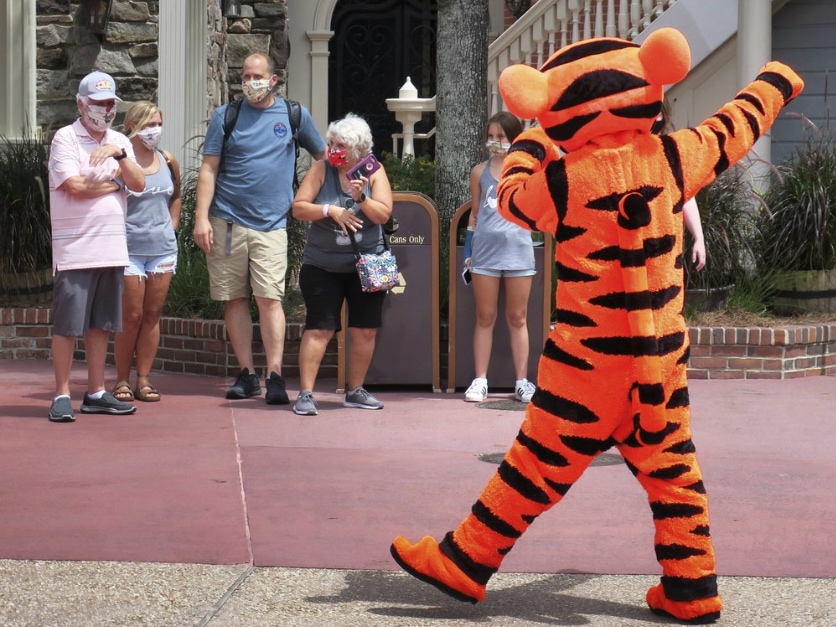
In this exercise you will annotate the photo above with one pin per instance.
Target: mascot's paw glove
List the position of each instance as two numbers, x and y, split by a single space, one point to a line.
698 612
425 561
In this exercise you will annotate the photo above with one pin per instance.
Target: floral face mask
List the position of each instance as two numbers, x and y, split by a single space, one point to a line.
100 117
256 91
150 136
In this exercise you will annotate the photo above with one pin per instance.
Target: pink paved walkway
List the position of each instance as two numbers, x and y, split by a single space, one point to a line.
199 479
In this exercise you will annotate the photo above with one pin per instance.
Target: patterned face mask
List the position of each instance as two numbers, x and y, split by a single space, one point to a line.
337 157
100 117
150 136
497 148
256 91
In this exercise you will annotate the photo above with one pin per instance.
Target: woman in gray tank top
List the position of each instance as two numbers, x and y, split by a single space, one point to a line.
346 204
151 224
497 253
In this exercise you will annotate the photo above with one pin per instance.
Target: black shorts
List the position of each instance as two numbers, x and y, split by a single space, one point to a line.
324 293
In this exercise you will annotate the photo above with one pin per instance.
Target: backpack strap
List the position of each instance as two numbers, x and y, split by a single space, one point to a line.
233 110
294 114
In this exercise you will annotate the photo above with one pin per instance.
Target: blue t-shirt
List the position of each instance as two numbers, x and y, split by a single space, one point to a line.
255 188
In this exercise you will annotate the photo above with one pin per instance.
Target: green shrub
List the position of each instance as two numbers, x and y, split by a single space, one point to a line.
727 216
26 240
798 221
411 174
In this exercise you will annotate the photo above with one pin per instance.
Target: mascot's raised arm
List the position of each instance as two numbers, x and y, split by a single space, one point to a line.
613 371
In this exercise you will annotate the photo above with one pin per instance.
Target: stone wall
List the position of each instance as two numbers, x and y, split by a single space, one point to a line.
201 347
67 51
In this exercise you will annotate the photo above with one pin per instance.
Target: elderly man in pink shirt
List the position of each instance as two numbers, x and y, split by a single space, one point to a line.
89 167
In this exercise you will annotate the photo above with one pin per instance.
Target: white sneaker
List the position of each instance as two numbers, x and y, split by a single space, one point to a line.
524 391
478 391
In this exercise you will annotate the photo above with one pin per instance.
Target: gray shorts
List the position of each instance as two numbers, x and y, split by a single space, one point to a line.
87 299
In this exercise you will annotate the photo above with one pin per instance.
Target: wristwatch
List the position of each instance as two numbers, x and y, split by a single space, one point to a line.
122 156
362 198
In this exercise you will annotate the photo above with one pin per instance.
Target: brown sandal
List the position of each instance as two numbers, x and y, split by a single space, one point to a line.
122 392
146 392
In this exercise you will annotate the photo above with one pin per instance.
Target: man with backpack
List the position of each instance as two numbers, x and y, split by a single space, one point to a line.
244 192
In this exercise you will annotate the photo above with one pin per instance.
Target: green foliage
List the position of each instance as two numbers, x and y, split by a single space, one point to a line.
798 222
727 215
410 174
26 241
188 295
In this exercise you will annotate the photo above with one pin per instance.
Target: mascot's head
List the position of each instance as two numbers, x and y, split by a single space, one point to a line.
597 87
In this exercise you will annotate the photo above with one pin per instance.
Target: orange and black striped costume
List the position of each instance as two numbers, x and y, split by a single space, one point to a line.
613 371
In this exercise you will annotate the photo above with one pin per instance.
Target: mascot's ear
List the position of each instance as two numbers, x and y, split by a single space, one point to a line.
665 56
525 90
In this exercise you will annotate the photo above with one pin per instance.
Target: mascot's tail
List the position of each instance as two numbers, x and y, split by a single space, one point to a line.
648 393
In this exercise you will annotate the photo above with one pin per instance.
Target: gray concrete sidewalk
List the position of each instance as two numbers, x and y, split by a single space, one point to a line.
92 594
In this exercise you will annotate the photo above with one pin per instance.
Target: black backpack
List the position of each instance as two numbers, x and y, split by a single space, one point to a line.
294 111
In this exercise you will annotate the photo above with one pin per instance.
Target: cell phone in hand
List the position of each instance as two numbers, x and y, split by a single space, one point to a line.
367 166
467 277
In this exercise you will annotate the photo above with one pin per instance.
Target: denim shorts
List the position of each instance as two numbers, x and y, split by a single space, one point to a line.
503 273
143 265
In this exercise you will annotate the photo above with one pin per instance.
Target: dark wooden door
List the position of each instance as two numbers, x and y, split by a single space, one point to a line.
376 45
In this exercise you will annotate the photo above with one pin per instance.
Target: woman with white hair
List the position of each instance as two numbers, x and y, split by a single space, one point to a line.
339 205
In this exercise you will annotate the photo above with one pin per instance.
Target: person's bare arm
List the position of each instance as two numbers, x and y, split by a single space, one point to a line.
377 206
129 170
691 215
207 175
88 188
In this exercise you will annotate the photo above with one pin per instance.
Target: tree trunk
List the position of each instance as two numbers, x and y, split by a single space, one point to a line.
461 101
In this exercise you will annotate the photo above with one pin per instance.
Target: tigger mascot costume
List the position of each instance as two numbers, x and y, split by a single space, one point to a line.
613 371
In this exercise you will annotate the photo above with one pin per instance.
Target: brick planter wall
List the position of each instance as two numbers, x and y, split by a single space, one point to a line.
200 347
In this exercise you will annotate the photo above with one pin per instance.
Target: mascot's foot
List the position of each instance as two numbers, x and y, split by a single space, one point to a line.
426 562
699 612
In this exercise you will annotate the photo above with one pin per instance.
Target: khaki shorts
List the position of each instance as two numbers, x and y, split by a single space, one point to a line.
243 260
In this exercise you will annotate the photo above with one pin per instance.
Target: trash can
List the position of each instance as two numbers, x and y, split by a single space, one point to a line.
462 316
407 348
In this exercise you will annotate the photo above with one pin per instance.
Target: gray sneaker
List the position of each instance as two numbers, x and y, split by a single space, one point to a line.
361 399
107 404
305 404
61 410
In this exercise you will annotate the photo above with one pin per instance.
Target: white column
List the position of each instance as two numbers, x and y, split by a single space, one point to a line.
183 40
754 48
319 76
18 55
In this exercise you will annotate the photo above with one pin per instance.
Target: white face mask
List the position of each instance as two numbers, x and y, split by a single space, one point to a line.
150 136
497 148
256 91
99 117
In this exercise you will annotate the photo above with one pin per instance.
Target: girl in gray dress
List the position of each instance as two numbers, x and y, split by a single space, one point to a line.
498 252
